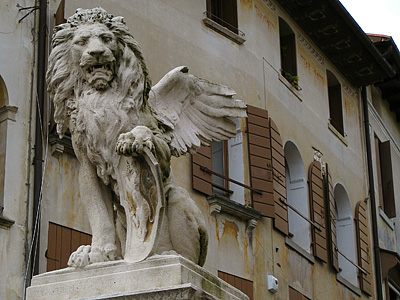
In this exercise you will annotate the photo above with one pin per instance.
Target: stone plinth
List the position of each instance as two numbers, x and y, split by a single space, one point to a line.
159 277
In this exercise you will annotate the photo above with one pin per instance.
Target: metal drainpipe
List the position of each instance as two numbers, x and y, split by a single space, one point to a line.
40 127
375 237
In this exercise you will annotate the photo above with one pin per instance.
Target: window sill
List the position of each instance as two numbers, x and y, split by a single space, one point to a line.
224 31
386 218
290 87
6 222
292 245
338 134
220 204
348 284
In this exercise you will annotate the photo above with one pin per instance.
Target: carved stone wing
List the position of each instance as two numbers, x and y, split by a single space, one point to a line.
194 110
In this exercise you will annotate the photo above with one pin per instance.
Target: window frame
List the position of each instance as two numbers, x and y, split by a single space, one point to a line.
335 101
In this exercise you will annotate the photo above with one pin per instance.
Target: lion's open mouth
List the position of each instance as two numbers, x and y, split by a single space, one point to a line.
99 67
100 75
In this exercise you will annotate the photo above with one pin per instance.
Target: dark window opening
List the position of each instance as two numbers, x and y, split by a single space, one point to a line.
385 177
335 103
224 12
287 40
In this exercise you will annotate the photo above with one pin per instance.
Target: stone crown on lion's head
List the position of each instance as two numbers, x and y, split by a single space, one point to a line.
93 15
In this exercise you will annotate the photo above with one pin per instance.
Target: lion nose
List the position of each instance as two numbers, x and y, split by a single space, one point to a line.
96 52
95 48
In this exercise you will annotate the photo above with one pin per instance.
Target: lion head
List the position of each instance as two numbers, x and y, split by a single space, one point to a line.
94 50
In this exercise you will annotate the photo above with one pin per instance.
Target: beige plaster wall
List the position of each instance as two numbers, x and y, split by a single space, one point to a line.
16 63
172 34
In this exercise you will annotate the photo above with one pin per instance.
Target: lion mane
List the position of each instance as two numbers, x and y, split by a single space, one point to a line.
64 78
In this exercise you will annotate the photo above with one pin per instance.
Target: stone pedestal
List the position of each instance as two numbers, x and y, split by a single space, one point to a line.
159 277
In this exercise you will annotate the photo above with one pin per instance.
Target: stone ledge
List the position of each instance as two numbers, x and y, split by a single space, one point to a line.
338 134
8 112
348 284
5 222
295 247
158 273
184 291
220 204
224 31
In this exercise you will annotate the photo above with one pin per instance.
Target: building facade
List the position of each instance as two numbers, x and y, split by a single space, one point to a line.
288 198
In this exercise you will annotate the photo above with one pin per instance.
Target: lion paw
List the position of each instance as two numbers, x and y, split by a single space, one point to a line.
133 142
86 255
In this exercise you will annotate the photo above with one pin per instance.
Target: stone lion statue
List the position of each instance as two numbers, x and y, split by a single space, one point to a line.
123 130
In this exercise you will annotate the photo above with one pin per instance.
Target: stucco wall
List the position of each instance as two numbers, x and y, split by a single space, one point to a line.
171 34
16 63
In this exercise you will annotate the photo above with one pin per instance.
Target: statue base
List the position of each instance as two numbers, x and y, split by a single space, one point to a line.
159 277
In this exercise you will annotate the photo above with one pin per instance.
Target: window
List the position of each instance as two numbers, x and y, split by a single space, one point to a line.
244 285
62 241
296 187
287 42
223 12
345 236
335 103
227 160
385 177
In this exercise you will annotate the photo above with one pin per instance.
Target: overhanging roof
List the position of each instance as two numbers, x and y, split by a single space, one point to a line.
336 33
390 87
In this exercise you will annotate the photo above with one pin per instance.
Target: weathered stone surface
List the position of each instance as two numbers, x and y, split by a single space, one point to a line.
158 277
124 132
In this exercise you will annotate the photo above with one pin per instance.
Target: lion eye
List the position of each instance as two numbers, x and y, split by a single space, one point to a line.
81 42
106 39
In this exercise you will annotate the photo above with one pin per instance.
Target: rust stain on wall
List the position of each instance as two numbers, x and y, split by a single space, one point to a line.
246 3
231 228
320 78
261 14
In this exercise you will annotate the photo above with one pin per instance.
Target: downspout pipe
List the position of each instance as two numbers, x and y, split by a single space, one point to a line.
39 131
375 236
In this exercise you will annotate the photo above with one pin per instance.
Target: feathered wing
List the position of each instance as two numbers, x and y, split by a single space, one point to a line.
196 111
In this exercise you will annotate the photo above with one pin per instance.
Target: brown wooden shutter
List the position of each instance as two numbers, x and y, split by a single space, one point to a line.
331 213
387 179
260 164
363 247
296 295
244 285
59 15
201 180
317 211
62 241
279 180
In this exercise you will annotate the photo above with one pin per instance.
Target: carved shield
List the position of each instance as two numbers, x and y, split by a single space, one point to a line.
142 196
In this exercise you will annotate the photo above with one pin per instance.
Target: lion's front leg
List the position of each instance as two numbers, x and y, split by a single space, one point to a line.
97 201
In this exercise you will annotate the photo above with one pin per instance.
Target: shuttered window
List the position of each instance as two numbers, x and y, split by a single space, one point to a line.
244 285
363 247
385 177
317 209
224 12
331 213
296 295
202 180
59 15
260 163
62 241
279 180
